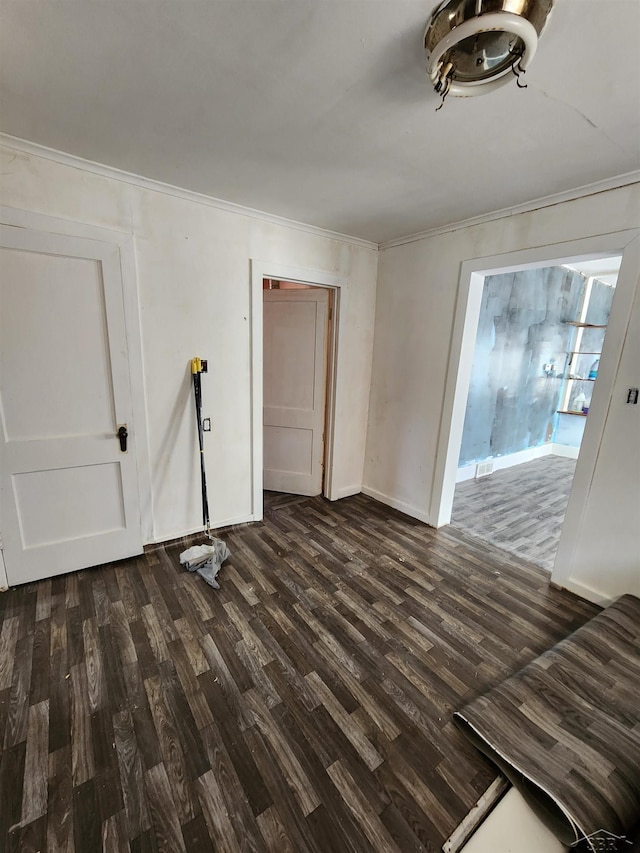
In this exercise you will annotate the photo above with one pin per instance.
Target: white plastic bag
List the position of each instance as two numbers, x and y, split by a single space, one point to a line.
206 560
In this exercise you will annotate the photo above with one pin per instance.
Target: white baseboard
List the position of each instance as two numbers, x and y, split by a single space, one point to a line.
408 509
564 450
584 591
228 522
468 472
345 492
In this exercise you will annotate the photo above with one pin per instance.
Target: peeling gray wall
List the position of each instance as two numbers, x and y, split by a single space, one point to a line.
512 404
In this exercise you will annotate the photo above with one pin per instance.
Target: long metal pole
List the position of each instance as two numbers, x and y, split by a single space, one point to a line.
197 388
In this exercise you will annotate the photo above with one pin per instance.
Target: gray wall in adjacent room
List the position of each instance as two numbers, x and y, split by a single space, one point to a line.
512 404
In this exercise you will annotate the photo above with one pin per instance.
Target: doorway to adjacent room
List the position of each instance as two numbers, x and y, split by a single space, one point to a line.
539 339
296 333
473 273
295 368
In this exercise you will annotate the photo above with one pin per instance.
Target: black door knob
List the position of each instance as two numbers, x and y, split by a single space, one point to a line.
123 435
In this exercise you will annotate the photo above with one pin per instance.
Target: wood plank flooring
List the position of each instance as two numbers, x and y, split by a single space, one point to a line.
305 706
520 509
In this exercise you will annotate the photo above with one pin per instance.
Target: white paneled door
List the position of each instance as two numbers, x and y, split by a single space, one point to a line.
295 377
68 489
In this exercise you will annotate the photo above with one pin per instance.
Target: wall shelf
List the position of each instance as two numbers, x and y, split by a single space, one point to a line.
578 360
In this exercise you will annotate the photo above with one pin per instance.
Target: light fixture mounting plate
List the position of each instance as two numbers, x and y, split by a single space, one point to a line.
472 46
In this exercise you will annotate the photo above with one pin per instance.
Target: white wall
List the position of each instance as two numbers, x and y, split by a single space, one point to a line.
194 286
606 561
193 270
416 303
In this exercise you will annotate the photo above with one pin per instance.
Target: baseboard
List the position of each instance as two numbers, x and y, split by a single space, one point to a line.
585 592
468 472
219 525
565 450
345 492
406 508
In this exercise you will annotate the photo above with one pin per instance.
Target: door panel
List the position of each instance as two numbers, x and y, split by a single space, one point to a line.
295 368
69 496
75 517
34 316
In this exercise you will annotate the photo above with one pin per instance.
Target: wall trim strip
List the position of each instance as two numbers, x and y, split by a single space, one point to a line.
526 207
26 147
394 503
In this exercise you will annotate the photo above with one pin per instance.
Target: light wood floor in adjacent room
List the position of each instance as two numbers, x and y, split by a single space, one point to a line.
520 509
305 706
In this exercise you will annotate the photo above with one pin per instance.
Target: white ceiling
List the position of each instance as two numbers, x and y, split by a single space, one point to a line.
320 111
604 269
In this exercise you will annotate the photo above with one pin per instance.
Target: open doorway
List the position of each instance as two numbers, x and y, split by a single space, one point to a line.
338 286
540 335
297 337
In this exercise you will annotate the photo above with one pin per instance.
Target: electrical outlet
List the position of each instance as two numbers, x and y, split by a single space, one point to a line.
206 425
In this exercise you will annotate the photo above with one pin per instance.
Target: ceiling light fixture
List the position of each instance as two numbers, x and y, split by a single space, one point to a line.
476 46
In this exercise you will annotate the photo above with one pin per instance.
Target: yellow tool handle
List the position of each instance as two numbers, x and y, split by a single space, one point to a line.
196 365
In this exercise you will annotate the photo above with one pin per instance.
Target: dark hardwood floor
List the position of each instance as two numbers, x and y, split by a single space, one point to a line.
305 706
280 500
520 509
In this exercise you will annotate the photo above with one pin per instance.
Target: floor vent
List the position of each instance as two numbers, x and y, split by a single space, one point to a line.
484 468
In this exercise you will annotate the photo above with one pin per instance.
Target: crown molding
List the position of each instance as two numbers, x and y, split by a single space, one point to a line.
26 147
526 207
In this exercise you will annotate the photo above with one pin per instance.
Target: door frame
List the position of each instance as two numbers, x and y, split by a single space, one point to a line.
124 243
471 282
4 581
314 278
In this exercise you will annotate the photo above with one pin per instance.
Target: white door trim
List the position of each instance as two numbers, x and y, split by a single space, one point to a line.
469 297
55 225
125 245
320 278
301 414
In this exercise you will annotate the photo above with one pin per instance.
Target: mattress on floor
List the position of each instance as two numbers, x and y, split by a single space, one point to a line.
566 729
